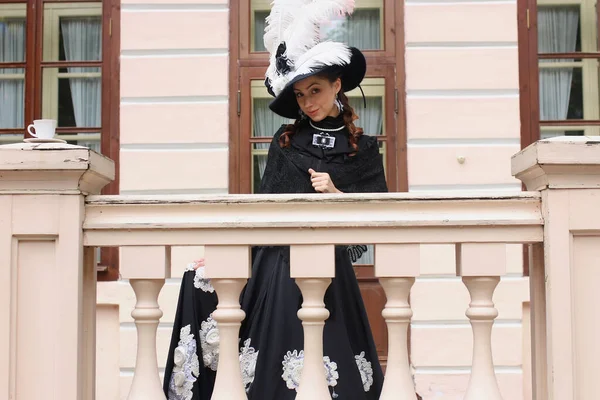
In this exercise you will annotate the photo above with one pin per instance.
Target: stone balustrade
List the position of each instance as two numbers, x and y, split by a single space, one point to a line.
51 219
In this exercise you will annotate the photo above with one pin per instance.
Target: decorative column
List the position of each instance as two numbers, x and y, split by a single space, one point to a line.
396 266
228 267
313 266
564 275
481 265
146 267
47 290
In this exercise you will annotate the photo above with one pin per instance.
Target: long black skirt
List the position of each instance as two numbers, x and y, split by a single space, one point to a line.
271 335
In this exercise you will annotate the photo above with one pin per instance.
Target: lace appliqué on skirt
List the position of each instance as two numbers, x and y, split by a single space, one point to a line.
292 367
365 369
209 340
187 367
248 357
200 282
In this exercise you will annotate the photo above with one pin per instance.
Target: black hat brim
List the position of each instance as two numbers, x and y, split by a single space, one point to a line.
352 74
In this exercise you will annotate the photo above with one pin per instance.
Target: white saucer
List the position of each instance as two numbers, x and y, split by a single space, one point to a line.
41 140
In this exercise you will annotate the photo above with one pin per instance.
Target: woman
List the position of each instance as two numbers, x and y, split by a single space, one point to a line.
323 152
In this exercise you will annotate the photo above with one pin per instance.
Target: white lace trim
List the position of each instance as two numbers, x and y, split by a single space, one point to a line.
186 368
248 357
365 369
200 282
209 340
293 363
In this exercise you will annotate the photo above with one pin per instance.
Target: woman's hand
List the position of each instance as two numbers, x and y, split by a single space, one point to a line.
198 263
321 182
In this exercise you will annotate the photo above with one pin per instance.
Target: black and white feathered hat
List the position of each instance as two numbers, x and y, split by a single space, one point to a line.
292 38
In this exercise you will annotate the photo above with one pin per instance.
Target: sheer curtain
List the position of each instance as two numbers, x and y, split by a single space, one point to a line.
12 91
82 39
557 33
362 29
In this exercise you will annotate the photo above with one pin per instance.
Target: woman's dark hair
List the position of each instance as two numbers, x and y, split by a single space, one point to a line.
348 114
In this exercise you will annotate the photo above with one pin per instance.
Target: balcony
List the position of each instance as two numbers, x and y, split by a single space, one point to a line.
51 222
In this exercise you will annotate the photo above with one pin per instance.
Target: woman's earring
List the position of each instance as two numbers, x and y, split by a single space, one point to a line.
338 103
301 114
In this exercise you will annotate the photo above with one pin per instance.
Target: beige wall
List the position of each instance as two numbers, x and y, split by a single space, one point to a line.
462 101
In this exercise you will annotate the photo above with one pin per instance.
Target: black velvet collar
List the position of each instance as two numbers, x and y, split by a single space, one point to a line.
302 139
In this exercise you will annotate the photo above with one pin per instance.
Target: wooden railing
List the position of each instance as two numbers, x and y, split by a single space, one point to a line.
50 224
397 224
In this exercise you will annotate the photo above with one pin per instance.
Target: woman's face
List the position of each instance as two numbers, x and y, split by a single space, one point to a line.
316 97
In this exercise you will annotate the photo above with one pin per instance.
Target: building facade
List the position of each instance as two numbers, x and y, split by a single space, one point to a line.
172 91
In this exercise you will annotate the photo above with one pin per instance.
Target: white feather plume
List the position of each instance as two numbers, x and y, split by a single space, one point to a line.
304 32
279 20
297 23
321 55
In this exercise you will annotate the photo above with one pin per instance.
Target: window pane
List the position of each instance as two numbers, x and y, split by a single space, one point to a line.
363 29
12 32
259 163
265 122
553 131
371 117
81 39
559 29
561 89
72 32
12 97
91 140
260 17
72 96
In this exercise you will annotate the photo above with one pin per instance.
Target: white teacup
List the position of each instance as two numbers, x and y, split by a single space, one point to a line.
44 128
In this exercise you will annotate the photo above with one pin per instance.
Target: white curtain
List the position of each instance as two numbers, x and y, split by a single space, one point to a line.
12 91
82 39
266 123
370 118
557 33
362 30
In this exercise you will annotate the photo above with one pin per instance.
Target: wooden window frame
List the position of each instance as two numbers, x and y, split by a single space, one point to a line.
245 66
529 73
34 64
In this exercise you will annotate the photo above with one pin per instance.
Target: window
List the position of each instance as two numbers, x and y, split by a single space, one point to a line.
58 60
51 66
559 68
370 28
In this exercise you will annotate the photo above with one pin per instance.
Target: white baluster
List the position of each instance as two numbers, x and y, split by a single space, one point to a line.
313 383
398 384
481 312
480 265
146 383
146 267
228 383
228 267
313 266
396 266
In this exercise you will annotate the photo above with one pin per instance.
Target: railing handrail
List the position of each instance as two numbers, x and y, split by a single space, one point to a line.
381 218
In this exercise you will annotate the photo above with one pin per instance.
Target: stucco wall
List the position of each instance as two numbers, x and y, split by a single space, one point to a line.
462 101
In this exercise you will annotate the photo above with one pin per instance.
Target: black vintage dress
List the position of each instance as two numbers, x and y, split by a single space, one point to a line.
271 336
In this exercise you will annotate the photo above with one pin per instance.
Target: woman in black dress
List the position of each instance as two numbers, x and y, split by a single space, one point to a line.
324 152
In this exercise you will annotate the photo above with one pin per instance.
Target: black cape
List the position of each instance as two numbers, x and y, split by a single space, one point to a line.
271 335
